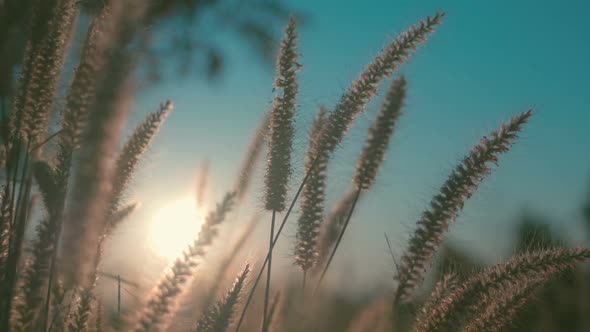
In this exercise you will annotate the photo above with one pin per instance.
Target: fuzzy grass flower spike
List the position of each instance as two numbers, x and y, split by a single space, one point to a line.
281 126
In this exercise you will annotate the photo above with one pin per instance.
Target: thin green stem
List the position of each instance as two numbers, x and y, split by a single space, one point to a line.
243 314
5 122
49 138
22 179
14 176
268 273
48 294
340 236
303 285
19 222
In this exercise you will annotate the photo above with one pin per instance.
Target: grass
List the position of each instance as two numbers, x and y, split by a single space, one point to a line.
82 176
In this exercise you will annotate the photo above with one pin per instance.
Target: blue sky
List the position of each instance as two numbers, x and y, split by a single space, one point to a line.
488 61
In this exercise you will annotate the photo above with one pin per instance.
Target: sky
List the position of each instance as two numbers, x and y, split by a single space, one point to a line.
488 61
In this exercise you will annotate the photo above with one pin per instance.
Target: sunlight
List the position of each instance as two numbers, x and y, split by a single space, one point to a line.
174 226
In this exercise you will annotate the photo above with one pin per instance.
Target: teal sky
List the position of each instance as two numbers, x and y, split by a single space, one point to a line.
488 61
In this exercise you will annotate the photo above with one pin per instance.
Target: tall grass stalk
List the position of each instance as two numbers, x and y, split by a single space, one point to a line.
90 195
161 303
4 230
312 202
228 260
364 88
126 164
331 228
338 240
373 154
219 317
544 264
446 204
280 140
50 33
274 242
133 150
504 307
92 183
30 295
352 103
74 117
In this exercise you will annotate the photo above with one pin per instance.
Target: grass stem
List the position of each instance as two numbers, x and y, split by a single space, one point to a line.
274 242
356 197
268 272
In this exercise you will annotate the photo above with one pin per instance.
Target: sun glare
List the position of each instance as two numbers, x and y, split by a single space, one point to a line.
174 226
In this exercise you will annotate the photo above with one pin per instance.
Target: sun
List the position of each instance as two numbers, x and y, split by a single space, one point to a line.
174 227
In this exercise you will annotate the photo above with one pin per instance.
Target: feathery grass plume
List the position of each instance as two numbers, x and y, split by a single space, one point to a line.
543 264
365 86
92 189
83 308
38 30
58 316
51 30
81 313
312 199
82 89
20 214
447 284
332 227
443 287
5 218
84 304
33 280
228 260
48 64
98 317
87 300
281 125
81 94
2 155
447 203
44 60
280 140
79 97
45 176
504 307
116 218
253 154
379 135
162 300
100 38
135 147
356 97
91 193
373 154
219 317
5 236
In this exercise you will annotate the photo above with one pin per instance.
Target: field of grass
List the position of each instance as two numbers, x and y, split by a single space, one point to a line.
70 183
